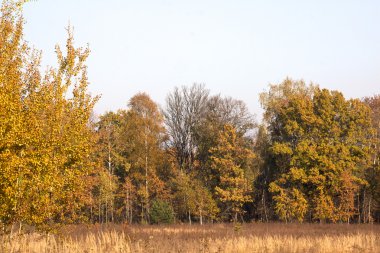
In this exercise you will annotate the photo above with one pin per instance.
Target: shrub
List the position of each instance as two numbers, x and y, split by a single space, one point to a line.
161 212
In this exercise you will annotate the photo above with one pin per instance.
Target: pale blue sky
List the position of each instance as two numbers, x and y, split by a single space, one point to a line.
234 47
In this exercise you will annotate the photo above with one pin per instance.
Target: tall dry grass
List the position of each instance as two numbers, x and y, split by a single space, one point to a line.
210 238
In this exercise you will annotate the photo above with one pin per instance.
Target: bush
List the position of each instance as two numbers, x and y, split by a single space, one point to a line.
161 212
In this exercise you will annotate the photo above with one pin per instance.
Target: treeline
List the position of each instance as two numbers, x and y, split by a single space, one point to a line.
201 158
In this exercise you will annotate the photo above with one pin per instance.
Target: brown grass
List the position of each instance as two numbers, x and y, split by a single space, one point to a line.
196 238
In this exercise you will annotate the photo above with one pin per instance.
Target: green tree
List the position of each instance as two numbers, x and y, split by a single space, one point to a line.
161 212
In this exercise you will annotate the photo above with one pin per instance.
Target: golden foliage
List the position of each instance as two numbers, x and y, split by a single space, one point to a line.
227 159
46 138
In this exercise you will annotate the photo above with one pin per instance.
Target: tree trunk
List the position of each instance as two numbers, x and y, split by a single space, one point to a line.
264 206
99 214
142 213
91 218
127 207
109 168
112 210
365 218
11 233
369 210
106 210
146 176
19 228
131 212
359 211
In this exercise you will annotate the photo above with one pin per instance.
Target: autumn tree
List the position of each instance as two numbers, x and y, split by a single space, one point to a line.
13 51
46 135
319 142
111 156
194 119
220 111
228 159
131 141
111 142
104 196
192 199
371 193
146 135
264 175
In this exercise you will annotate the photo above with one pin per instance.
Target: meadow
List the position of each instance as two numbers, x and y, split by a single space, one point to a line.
252 237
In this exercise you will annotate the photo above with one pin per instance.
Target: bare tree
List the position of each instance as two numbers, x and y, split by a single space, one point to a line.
227 110
185 107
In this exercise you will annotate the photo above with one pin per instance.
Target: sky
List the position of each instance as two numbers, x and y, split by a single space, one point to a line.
235 47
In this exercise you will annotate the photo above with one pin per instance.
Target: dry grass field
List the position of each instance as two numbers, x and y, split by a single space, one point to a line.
253 237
